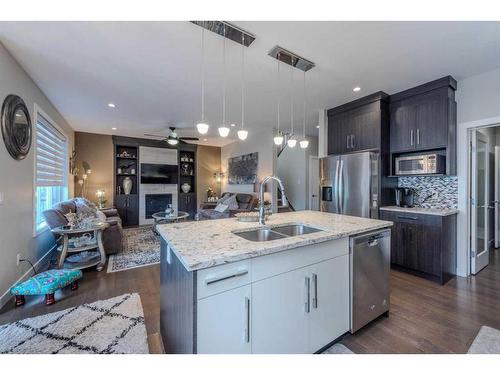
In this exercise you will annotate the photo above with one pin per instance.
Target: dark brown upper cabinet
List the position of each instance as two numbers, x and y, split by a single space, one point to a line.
358 125
423 118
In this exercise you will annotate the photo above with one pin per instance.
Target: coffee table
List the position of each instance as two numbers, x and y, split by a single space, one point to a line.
163 218
95 244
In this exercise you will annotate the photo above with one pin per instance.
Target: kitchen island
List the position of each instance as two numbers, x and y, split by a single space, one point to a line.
285 292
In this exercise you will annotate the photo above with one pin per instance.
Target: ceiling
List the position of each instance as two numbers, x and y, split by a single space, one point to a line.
152 70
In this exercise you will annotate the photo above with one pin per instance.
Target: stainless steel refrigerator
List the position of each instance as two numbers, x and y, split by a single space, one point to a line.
350 184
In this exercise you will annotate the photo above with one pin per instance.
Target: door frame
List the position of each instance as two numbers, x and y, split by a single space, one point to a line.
310 187
479 263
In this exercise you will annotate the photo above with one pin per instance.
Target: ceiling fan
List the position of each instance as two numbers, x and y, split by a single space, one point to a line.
173 139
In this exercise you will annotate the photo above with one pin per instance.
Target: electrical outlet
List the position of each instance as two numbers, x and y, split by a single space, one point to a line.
18 259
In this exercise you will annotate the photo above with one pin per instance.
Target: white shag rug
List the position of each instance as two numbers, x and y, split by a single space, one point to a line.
141 248
111 326
338 349
487 341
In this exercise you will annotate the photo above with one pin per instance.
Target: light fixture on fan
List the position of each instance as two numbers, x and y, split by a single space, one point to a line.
242 133
223 129
202 126
278 140
304 142
291 142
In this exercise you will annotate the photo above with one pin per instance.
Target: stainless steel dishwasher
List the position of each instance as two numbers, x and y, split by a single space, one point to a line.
369 260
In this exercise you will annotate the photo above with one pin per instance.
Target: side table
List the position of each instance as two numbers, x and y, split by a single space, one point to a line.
95 244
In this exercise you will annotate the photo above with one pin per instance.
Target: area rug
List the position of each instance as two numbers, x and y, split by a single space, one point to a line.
112 326
487 341
338 349
141 248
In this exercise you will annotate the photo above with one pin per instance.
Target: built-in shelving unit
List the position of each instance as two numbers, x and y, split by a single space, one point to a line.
127 166
187 175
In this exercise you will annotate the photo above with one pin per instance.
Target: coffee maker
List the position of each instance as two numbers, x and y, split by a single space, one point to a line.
404 197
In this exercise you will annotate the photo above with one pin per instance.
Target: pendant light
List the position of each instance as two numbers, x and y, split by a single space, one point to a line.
224 130
278 140
202 126
291 142
304 142
242 133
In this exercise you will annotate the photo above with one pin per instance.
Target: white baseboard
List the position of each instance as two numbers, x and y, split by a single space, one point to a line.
6 296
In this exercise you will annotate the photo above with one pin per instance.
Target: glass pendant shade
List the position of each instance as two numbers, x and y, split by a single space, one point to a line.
291 143
242 134
202 128
278 140
304 143
223 131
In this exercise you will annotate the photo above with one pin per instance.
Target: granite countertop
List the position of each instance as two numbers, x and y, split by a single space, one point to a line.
208 243
422 210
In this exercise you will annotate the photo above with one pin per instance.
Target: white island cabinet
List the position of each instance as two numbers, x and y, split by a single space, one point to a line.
295 301
224 293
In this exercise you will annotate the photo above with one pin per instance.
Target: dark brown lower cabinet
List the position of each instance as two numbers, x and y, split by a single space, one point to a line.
424 245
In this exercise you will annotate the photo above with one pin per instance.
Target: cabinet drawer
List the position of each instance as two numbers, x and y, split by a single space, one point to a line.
409 217
275 264
218 279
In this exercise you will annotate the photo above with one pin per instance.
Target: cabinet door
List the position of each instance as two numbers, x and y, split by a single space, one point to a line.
403 126
429 249
121 207
337 134
279 318
367 135
432 121
329 316
132 210
223 322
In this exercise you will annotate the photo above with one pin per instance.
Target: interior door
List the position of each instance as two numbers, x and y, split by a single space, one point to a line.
355 184
479 202
497 196
314 183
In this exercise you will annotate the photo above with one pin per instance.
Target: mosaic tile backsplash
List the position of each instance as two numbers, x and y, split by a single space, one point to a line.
433 192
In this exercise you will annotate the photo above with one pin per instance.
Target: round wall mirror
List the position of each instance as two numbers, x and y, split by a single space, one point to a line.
16 127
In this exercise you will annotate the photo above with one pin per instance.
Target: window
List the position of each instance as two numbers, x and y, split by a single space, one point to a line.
51 171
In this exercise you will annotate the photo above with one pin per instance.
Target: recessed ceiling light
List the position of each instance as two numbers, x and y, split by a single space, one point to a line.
317 126
356 89
205 139
111 105
233 125
113 128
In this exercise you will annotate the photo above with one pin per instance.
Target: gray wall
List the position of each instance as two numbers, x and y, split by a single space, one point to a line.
16 182
293 169
261 142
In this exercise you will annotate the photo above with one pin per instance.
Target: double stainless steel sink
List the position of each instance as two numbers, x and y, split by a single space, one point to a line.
276 233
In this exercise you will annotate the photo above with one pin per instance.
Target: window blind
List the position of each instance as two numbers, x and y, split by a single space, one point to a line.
50 154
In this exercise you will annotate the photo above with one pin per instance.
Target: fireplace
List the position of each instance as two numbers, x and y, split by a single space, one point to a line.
156 203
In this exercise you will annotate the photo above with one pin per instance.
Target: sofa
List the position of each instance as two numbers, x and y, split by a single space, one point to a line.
112 237
246 202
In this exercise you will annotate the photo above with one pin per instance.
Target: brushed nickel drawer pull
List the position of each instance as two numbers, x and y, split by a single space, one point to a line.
213 280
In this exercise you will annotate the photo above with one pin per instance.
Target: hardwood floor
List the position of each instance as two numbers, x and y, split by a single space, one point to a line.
428 318
425 317
98 286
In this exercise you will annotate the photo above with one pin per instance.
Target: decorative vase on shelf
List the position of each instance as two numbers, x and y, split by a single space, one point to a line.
127 185
185 187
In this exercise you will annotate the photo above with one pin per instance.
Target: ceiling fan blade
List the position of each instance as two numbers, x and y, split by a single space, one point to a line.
190 138
155 135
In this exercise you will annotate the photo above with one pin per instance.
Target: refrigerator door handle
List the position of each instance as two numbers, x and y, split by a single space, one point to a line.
336 186
341 187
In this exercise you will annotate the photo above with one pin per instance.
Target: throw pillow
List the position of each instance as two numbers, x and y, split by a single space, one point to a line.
101 216
224 198
221 207
232 202
84 209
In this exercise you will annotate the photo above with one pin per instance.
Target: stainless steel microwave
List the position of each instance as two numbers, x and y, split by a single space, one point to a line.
420 164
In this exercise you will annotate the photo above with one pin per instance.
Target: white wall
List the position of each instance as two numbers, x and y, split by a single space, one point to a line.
261 142
478 99
16 182
293 169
